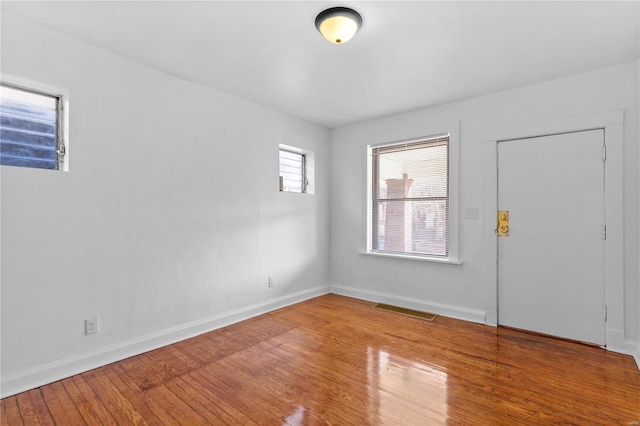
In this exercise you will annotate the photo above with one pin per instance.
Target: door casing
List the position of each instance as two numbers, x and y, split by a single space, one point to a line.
613 125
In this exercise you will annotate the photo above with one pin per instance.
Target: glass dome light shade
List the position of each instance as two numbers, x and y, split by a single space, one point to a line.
339 24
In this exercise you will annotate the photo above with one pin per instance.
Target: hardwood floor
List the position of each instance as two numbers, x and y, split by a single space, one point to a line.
335 360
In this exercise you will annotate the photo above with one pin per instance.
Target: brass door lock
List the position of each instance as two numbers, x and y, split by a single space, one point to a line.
503 223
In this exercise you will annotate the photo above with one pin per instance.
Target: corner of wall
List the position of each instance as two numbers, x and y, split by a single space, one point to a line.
616 342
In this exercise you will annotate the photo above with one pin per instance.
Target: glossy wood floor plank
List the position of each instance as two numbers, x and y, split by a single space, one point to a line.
91 408
337 361
114 401
11 411
41 413
62 408
208 396
126 386
234 392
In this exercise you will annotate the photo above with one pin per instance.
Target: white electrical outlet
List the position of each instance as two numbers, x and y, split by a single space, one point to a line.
91 325
270 282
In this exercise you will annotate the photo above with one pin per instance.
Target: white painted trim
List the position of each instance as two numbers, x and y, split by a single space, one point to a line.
57 370
490 161
424 131
565 125
457 312
612 122
415 257
616 342
624 347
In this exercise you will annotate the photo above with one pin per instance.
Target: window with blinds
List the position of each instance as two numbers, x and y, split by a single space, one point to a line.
410 198
29 129
292 171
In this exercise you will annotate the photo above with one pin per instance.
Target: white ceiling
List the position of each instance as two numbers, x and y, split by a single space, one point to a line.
407 55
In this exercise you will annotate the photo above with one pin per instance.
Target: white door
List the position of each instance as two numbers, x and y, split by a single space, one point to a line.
551 265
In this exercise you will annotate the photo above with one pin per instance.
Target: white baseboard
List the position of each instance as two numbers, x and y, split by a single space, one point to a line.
616 342
57 370
631 349
456 312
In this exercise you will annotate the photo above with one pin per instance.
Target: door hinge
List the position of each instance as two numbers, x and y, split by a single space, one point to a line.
604 153
604 232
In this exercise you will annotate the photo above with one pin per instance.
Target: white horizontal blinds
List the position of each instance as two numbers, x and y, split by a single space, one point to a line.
292 171
411 198
28 128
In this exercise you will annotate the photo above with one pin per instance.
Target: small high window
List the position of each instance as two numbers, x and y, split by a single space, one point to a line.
30 128
292 171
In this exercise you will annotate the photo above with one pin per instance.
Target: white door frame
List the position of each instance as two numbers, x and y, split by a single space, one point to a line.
613 124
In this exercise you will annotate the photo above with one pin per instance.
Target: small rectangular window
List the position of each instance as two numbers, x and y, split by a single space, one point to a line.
292 171
410 198
30 128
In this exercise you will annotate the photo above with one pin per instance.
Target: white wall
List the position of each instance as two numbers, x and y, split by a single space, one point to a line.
460 290
167 224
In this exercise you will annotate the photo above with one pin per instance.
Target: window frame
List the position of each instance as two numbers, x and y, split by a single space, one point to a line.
303 171
438 141
402 136
308 169
62 115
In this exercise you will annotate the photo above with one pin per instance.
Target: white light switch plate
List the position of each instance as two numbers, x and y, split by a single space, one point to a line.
471 212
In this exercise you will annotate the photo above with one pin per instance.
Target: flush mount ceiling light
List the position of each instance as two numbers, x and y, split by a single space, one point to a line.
338 24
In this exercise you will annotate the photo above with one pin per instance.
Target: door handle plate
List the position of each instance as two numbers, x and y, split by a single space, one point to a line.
503 223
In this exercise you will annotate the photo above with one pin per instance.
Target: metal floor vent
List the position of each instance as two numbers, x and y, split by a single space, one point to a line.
408 312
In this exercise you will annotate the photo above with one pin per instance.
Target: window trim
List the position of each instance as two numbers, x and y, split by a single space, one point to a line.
303 171
62 116
405 136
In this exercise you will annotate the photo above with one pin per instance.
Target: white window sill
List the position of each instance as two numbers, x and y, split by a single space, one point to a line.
420 258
